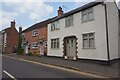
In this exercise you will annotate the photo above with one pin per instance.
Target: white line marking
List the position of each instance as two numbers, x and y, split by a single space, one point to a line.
9 75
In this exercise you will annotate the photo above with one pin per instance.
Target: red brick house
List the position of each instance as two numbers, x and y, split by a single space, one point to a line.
34 38
10 39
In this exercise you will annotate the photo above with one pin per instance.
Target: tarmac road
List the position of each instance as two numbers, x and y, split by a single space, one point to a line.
13 68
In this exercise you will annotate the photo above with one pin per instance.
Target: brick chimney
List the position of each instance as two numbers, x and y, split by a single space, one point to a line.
20 29
60 12
13 23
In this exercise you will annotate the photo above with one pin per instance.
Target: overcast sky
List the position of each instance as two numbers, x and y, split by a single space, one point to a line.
29 12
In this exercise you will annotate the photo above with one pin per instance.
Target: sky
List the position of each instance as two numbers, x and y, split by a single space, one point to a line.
28 12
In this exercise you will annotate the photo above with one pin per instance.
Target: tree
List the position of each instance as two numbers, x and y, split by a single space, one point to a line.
20 50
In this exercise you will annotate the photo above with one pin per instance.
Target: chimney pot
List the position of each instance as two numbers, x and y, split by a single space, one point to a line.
13 23
60 11
20 29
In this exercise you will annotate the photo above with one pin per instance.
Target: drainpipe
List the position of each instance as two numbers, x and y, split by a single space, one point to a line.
107 34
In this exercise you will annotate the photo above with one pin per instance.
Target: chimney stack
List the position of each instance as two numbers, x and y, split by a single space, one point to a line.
20 29
60 12
13 23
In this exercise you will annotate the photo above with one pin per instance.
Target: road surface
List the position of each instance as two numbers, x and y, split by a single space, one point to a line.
13 68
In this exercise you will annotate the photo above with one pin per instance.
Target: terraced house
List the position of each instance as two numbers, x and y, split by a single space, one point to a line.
88 32
34 38
9 39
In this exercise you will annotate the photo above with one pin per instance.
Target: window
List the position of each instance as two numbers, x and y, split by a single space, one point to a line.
87 15
55 43
69 21
35 32
34 45
55 26
88 40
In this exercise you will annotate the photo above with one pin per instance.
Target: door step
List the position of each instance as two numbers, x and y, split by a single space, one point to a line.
70 58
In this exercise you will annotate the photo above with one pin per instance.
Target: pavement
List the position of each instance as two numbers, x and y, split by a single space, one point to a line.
94 67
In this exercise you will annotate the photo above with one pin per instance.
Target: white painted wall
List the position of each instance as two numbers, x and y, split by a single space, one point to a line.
0 41
113 18
98 26
119 38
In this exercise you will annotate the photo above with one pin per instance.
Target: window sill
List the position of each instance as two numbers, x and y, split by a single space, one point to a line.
88 48
55 48
54 30
34 48
88 21
34 36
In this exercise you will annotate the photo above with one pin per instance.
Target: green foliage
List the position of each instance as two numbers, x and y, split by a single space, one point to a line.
20 50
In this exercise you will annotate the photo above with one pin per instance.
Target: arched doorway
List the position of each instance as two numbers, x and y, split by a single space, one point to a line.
70 47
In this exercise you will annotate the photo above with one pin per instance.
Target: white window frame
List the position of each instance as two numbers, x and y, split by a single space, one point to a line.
55 43
88 38
35 32
55 26
69 21
33 45
86 13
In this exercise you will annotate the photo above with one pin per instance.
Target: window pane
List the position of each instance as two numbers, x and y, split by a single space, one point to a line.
85 43
69 21
51 44
91 43
54 44
57 43
91 35
90 16
51 27
84 35
84 17
57 25
66 22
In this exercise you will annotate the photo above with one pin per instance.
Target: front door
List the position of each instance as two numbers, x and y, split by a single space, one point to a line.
71 48
41 48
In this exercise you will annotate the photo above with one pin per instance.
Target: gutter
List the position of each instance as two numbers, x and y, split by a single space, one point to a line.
107 34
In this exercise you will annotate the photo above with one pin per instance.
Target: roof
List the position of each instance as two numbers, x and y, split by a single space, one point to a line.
91 4
6 29
38 25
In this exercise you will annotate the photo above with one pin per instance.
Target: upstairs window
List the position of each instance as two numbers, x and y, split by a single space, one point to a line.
55 26
35 32
87 15
69 21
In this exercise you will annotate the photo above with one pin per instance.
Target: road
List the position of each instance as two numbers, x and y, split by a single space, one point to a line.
22 69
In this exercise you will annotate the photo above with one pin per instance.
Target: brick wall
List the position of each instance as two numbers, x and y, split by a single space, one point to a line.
42 33
12 40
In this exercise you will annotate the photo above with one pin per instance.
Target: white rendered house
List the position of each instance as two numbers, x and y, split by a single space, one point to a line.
1 42
88 32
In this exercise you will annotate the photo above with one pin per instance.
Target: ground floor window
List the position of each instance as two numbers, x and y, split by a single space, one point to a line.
55 43
34 45
88 40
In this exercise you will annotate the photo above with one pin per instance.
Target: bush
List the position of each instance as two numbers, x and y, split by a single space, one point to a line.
19 50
